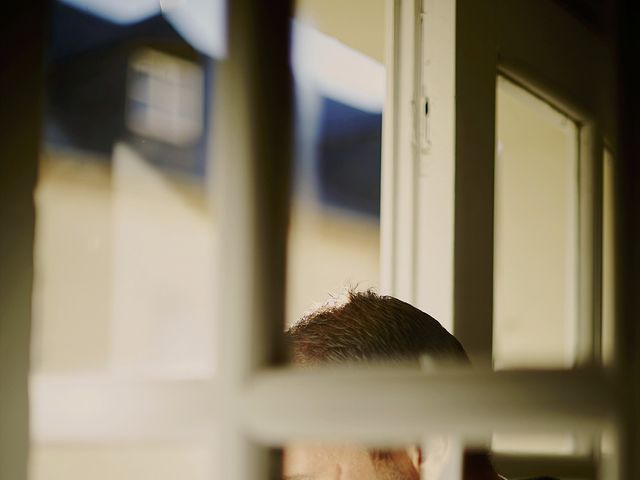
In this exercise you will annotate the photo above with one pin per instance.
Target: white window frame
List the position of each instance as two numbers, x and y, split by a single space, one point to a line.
427 193
264 406
455 166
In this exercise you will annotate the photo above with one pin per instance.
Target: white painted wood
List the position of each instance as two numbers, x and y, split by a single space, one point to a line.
346 404
417 161
589 238
435 176
544 49
331 404
389 147
400 150
540 46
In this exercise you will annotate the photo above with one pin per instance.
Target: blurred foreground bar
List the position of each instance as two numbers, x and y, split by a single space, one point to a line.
252 162
378 405
370 405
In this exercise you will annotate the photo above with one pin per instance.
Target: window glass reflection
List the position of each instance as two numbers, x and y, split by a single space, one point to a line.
125 268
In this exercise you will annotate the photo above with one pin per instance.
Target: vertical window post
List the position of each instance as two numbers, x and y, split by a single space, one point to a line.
21 80
627 236
252 152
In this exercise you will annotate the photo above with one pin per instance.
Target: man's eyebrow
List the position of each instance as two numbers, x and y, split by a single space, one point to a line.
298 477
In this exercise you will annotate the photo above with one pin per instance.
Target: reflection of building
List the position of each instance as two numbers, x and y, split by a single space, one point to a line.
100 81
144 83
348 147
126 240
125 261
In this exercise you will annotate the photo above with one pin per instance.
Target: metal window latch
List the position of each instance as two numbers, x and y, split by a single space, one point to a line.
425 130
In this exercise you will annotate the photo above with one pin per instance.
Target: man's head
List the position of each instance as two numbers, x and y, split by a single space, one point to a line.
368 328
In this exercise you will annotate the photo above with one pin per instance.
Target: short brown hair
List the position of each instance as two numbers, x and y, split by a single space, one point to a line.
369 327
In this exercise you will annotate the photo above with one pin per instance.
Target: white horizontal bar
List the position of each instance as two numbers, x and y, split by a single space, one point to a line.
371 405
102 409
394 405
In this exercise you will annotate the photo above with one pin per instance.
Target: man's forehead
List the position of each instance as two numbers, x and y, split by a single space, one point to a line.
312 461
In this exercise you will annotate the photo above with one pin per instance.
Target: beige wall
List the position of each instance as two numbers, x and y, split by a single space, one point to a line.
358 24
163 461
73 265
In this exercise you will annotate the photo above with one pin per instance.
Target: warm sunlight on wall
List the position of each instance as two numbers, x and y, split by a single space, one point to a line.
535 233
358 24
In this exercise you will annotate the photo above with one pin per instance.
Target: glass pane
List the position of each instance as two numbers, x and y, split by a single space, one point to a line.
535 232
124 237
124 268
124 261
